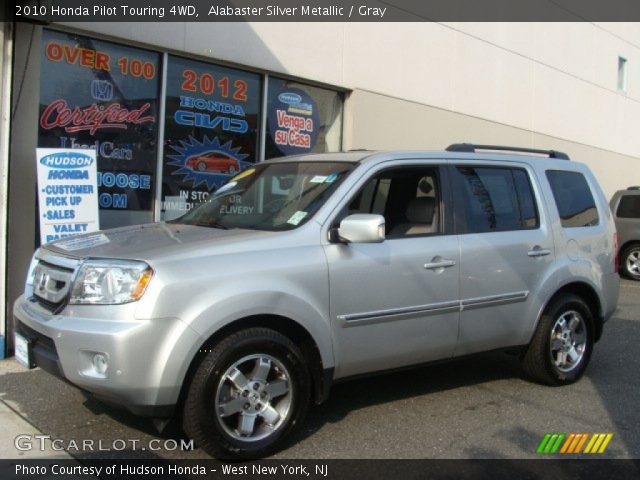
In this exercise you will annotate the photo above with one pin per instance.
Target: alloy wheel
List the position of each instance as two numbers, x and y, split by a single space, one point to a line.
568 341
253 398
633 263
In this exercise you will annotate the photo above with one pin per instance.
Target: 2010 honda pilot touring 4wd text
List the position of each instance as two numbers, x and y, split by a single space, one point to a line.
305 270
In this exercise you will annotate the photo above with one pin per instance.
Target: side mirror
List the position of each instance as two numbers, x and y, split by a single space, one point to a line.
362 228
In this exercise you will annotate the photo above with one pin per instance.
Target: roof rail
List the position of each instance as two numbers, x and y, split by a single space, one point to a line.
471 148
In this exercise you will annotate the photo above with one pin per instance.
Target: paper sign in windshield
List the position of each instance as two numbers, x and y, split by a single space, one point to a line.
297 217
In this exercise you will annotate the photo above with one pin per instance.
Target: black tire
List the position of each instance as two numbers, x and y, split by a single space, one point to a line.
624 257
202 423
537 360
202 167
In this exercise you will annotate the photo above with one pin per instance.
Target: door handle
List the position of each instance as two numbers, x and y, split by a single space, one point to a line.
437 263
538 251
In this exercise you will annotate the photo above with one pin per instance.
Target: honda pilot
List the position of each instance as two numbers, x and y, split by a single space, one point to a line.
307 270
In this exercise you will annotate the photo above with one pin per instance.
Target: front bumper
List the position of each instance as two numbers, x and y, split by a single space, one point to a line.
140 376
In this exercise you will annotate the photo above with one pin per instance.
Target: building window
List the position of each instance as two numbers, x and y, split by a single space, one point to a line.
212 118
107 96
96 94
302 119
622 74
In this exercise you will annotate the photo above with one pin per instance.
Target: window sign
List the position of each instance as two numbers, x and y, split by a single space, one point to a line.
67 192
293 121
211 130
103 96
302 119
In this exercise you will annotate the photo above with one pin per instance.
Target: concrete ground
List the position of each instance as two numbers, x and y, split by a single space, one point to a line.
475 408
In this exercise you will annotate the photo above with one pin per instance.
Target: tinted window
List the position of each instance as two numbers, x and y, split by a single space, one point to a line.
573 198
629 207
528 209
494 199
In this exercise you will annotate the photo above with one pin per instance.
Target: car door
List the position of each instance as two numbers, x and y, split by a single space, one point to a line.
506 250
396 303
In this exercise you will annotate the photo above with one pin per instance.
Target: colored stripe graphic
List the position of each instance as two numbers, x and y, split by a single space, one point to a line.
581 443
573 443
556 445
551 442
565 447
598 442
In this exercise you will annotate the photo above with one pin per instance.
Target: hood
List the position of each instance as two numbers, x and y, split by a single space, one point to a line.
149 241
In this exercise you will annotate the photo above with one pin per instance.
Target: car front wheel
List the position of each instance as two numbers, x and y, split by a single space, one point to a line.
248 395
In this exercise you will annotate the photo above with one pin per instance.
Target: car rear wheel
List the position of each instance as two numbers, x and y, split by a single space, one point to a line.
630 262
562 343
248 395
232 170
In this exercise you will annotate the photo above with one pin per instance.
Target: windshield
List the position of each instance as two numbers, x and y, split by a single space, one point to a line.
270 196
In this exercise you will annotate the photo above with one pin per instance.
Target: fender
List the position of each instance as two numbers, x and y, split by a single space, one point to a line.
294 307
581 271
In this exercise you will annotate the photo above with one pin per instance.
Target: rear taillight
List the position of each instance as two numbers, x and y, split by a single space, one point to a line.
616 258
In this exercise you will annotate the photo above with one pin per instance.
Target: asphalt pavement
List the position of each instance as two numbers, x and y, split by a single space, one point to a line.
474 408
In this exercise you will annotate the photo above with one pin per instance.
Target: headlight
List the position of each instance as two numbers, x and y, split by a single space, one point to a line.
110 282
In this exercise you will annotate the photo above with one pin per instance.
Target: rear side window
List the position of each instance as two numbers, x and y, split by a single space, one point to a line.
629 207
494 199
573 198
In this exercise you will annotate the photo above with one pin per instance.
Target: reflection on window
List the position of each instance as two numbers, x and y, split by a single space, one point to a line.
271 196
573 198
495 199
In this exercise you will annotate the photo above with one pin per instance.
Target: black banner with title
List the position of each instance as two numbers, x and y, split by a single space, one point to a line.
575 469
46 11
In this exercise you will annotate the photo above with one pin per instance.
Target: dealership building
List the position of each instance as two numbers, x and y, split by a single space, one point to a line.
174 109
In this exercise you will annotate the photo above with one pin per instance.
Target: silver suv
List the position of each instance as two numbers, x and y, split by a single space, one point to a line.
625 205
306 270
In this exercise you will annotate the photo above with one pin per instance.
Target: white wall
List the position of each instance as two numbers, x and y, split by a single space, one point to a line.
556 79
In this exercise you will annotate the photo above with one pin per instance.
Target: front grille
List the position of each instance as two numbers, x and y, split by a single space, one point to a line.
51 285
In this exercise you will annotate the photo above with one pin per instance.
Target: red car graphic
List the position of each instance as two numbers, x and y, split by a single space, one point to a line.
213 162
